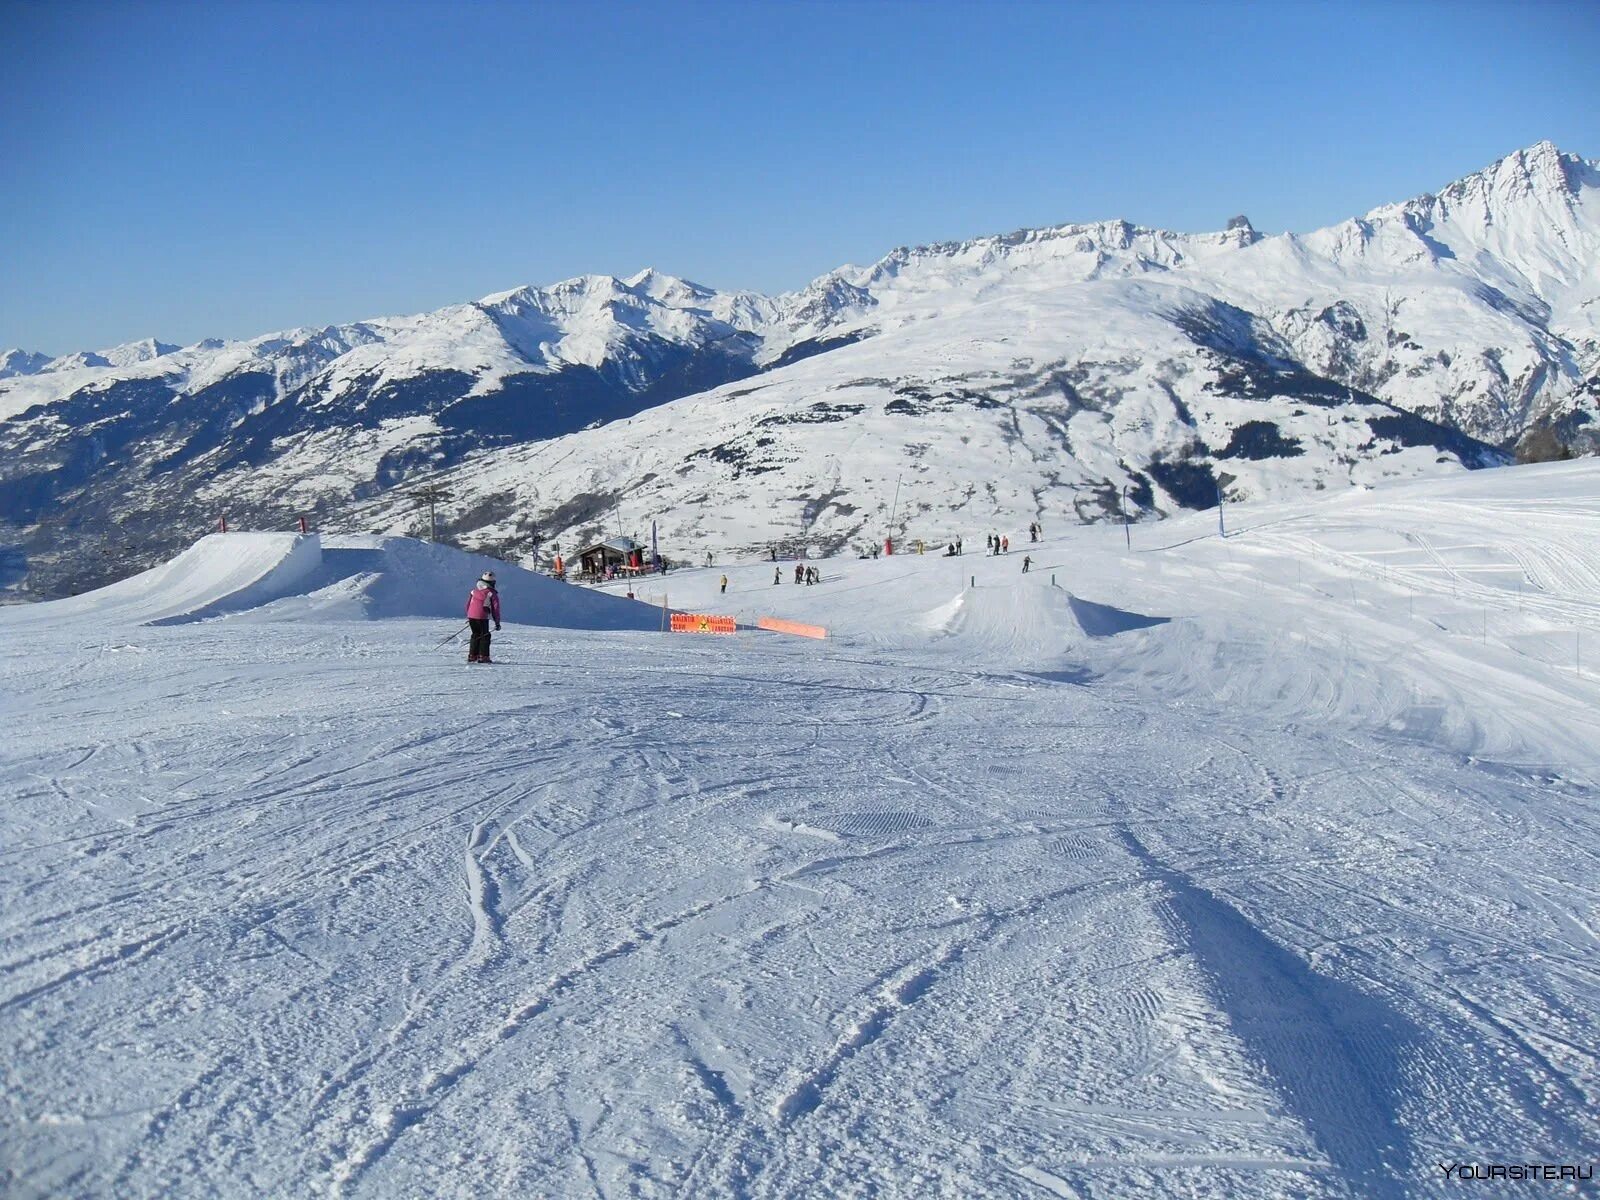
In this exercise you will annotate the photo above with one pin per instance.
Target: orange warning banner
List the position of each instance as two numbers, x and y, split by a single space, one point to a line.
702 623
779 625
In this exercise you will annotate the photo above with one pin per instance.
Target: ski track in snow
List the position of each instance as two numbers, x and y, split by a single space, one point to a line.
1289 896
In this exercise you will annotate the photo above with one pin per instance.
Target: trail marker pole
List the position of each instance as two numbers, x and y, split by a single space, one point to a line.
1127 522
663 612
972 581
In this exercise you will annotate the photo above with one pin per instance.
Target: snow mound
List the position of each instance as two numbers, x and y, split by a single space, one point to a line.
1007 623
379 578
221 573
269 577
1102 620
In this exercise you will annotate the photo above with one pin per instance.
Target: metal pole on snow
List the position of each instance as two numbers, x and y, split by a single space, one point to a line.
431 494
454 635
1223 480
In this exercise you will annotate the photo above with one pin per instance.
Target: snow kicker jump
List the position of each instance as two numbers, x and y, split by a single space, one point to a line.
287 576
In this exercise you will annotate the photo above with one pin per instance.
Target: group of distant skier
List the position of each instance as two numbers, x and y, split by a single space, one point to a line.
802 574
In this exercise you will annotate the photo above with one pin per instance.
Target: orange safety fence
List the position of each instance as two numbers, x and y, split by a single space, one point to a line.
702 623
779 625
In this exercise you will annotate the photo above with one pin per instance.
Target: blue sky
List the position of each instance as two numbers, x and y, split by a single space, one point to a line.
192 170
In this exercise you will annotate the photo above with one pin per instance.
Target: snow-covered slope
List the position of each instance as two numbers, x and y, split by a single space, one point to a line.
1235 869
1475 307
1480 305
111 459
1123 396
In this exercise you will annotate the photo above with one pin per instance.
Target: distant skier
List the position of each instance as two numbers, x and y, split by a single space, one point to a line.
958 546
724 584
483 606
799 573
1005 545
1027 561
777 575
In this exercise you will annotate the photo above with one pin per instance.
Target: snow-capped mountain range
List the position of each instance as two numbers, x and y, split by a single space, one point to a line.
1046 373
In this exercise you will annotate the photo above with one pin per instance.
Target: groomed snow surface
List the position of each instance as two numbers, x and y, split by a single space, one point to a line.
1254 867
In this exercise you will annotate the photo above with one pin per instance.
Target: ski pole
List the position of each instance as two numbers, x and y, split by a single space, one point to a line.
454 635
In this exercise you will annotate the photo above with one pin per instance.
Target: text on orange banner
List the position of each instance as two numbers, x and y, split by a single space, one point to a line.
702 623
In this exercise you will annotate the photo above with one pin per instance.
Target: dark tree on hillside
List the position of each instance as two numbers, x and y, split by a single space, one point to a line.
1542 445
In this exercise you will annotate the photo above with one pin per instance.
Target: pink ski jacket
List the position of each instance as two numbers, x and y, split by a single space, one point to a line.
483 603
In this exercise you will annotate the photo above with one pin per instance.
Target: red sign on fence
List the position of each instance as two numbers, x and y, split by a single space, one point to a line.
702 623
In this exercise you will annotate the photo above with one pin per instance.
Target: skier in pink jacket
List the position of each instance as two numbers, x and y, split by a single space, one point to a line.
483 606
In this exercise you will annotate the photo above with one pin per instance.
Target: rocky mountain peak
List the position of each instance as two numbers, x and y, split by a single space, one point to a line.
21 362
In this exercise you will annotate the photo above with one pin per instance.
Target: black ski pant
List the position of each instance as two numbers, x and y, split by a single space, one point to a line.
480 637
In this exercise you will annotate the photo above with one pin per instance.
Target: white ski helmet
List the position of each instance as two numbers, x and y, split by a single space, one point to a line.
486 577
